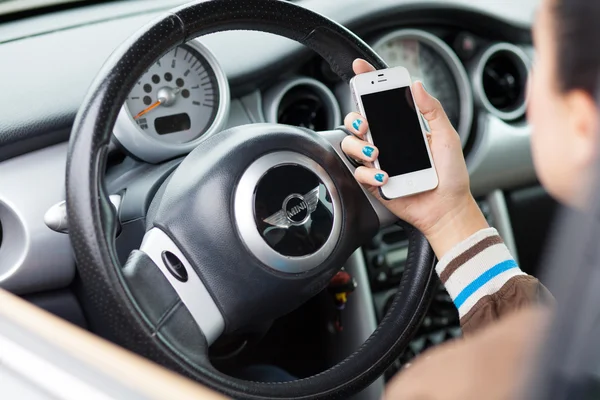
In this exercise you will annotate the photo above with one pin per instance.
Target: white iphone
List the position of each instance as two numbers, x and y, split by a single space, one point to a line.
385 99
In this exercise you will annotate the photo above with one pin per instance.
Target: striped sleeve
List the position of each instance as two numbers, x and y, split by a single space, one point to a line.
483 279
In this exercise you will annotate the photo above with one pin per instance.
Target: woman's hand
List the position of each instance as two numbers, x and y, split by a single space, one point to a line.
446 215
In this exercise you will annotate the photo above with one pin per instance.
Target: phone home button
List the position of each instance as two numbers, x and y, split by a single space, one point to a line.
409 183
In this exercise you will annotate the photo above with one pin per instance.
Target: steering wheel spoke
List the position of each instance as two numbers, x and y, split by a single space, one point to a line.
165 317
182 277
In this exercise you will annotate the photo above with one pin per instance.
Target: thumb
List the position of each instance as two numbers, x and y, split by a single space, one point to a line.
431 109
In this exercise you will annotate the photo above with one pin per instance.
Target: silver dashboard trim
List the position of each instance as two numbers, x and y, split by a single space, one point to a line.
193 292
15 241
501 156
360 321
517 54
456 67
246 225
153 150
501 217
272 99
33 258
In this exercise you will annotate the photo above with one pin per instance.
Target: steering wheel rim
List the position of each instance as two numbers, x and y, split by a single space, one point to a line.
111 298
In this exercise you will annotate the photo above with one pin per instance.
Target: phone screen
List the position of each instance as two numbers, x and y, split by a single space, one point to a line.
396 131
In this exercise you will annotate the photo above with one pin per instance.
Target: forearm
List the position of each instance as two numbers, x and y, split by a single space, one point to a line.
455 227
480 274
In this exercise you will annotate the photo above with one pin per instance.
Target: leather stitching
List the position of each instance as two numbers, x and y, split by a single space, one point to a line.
167 314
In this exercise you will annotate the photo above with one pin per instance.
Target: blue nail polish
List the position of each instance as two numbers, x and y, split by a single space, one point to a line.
356 124
379 177
368 151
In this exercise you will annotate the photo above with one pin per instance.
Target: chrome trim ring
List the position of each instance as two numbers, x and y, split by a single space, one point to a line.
245 221
456 67
154 150
272 99
520 57
16 241
193 293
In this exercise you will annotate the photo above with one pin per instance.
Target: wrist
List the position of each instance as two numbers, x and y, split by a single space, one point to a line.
456 226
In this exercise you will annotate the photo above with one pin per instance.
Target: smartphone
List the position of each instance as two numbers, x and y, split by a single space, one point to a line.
386 100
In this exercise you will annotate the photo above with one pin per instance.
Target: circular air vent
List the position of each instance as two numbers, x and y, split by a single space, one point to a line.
501 80
302 102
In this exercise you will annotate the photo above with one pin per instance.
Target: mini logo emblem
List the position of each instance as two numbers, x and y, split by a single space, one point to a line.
296 209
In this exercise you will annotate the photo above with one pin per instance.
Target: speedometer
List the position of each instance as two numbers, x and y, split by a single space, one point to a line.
430 60
182 98
177 95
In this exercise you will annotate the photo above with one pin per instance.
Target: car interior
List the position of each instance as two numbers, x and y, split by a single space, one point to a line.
146 147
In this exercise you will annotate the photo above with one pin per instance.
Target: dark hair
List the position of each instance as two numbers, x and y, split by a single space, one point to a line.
578 44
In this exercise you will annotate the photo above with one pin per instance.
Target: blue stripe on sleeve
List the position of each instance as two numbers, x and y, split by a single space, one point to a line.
483 279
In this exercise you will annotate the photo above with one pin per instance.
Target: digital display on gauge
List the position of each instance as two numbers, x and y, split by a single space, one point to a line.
172 123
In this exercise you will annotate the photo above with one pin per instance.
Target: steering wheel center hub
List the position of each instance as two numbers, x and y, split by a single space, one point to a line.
293 210
288 211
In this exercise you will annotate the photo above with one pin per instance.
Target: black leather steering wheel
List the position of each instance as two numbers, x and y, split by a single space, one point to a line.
253 223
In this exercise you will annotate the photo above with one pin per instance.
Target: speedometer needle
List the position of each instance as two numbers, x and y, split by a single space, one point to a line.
148 109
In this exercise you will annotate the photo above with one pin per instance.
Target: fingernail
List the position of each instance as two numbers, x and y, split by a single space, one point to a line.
379 177
356 124
368 151
424 87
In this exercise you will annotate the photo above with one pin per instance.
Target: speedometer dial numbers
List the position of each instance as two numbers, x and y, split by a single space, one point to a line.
180 100
426 65
430 60
177 96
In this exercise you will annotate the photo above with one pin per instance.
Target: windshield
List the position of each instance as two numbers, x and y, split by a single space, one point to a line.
15 6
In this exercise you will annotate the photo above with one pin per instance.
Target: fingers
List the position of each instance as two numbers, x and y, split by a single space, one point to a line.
359 149
356 124
360 66
431 109
370 176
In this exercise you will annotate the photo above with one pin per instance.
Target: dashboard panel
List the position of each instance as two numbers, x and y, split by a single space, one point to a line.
257 77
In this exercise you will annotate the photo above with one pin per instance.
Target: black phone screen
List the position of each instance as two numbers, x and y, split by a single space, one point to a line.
396 131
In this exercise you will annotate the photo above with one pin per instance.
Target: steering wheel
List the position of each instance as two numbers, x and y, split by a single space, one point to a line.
253 223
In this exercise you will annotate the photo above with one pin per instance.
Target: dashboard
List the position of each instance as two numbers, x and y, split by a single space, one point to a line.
473 56
184 97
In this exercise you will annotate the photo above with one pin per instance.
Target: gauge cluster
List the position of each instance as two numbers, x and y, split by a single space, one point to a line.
184 97
177 98
181 99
